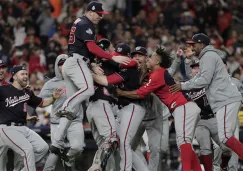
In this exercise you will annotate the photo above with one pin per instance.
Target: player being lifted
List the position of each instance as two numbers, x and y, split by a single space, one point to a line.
185 111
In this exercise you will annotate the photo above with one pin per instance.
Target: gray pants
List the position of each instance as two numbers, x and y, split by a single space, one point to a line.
78 81
25 142
131 117
154 129
75 136
234 160
186 118
101 118
207 129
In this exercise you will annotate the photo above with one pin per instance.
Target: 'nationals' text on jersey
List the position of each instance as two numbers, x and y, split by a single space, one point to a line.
13 104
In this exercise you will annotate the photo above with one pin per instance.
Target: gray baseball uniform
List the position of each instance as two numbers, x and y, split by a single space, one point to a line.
223 96
61 127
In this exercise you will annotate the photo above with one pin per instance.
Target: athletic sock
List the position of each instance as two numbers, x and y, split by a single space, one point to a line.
207 162
186 156
236 146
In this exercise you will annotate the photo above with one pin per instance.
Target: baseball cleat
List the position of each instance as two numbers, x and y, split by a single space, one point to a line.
67 114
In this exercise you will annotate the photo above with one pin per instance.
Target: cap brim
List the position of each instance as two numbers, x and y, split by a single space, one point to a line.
103 12
137 52
190 42
3 65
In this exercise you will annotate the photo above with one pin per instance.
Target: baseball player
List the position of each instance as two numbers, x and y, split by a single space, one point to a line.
81 49
75 128
13 131
156 113
100 114
3 149
185 112
130 112
207 126
233 162
223 96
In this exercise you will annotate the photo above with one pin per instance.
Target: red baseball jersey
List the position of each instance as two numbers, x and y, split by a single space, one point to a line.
159 82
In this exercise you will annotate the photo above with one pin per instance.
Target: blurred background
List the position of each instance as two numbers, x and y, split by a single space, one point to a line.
34 32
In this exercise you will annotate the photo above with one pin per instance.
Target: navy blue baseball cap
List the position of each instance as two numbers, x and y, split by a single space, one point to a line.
139 50
2 64
199 38
122 49
96 7
14 70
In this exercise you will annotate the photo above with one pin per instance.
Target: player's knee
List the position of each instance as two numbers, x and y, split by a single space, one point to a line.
77 148
90 91
154 148
205 152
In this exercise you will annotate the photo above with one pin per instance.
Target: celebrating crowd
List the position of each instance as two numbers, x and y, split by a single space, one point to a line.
132 72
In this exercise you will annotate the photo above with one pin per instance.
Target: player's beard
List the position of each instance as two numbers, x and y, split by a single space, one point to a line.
22 83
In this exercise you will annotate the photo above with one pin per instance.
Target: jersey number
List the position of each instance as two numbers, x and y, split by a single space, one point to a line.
72 36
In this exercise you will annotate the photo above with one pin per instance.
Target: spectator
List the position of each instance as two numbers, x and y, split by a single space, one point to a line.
19 33
46 24
37 61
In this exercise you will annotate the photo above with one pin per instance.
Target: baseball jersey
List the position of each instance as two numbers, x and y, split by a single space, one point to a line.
13 103
109 67
159 82
82 30
199 97
130 80
4 83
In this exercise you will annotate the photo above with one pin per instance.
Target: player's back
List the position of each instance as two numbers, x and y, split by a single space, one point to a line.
171 100
82 30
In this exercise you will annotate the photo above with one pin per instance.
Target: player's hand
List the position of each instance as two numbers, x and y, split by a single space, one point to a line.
57 93
32 118
133 63
189 52
118 92
121 59
98 70
175 88
179 52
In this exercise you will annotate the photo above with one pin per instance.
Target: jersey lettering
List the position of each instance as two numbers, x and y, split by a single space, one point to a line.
72 35
205 101
25 107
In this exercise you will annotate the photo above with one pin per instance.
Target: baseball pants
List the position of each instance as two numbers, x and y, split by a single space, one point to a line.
154 130
3 157
75 129
131 117
186 118
78 81
100 116
234 160
25 142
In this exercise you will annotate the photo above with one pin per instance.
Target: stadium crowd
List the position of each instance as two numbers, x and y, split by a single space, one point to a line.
34 32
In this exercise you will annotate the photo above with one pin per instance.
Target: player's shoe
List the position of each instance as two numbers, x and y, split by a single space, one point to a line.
63 113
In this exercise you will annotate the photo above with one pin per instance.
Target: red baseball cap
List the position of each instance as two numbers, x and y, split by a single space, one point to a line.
2 64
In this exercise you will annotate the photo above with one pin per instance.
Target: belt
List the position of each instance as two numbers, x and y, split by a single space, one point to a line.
206 117
85 59
14 124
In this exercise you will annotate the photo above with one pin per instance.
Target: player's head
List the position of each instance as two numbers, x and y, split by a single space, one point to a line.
122 49
19 76
106 45
3 70
59 62
140 54
199 42
95 12
195 68
160 58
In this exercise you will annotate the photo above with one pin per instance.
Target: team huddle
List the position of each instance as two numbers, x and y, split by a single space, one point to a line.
126 93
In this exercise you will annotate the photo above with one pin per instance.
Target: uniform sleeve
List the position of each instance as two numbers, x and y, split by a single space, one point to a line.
203 78
153 84
85 32
45 91
117 77
34 101
174 67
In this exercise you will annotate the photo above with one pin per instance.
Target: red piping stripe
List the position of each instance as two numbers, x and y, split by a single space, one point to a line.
126 137
108 119
87 86
18 147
